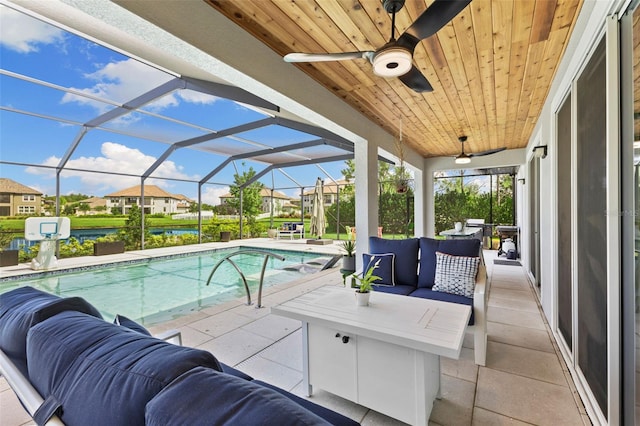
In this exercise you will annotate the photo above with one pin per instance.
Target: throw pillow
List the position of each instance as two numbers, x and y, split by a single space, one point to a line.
385 269
406 260
456 274
130 324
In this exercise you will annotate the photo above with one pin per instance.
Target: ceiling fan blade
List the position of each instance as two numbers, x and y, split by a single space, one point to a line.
435 17
325 57
416 81
489 152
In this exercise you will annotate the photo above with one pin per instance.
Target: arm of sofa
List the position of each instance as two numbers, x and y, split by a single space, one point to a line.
26 393
170 336
480 301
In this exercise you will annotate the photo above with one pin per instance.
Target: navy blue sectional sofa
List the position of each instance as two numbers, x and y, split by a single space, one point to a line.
412 273
67 364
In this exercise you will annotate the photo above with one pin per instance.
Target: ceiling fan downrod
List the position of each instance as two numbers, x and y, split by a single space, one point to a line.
393 6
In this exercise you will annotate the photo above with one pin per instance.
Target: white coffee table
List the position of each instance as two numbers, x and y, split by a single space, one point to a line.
385 356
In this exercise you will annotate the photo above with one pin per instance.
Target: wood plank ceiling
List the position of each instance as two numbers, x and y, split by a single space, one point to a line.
490 67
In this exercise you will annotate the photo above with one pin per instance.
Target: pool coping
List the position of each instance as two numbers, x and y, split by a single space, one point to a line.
23 271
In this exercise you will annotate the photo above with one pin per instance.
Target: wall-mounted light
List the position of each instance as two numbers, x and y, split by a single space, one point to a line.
521 180
540 151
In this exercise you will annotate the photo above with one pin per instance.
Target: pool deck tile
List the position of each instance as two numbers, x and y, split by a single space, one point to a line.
507 391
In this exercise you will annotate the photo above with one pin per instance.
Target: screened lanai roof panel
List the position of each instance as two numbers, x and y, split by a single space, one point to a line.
18 94
275 135
152 127
209 112
33 140
189 163
230 145
315 152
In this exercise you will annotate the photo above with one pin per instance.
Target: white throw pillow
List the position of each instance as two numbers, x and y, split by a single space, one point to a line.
456 274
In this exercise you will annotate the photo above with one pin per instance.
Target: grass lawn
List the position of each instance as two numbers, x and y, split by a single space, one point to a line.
91 222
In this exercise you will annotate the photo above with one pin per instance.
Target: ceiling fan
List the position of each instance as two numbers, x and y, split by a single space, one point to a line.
395 59
464 158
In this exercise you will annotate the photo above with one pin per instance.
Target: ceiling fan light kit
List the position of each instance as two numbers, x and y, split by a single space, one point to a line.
463 159
391 61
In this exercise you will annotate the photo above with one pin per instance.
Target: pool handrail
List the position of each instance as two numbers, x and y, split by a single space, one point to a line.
266 254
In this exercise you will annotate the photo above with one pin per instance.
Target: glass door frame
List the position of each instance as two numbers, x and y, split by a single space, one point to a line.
628 217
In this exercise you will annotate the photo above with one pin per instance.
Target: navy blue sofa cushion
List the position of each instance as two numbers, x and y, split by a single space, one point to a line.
332 417
235 372
203 396
100 373
406 260
24 307
455 247
403 290
427 293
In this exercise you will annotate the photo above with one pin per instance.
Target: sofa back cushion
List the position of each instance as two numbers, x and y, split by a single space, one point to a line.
406 259
24 307
101 373
455 247
203 396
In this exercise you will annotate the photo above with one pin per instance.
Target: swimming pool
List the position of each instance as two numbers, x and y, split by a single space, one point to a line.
163 289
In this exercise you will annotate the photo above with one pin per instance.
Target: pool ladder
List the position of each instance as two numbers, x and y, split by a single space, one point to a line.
266 254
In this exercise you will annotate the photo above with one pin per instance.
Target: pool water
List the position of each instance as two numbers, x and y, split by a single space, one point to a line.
164 289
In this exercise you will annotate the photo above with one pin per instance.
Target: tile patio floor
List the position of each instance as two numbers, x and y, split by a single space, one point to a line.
525 381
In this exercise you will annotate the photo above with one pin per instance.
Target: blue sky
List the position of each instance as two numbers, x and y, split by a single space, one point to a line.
127 145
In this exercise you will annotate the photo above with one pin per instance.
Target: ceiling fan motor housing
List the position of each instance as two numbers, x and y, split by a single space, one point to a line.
392 6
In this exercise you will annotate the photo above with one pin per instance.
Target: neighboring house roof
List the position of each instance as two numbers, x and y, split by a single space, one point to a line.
330 187
13 187
264 192
149 191
182 197
94 202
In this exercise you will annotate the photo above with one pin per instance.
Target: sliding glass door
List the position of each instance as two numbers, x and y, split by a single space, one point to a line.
591 226
564 224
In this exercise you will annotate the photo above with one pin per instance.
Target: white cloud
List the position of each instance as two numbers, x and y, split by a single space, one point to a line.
23 33
115 158
211 195
194 97
124 80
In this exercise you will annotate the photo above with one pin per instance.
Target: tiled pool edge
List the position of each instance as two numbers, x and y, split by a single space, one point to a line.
142 259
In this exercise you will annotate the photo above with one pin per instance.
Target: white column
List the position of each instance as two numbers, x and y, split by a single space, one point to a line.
366 157
419 206
428 214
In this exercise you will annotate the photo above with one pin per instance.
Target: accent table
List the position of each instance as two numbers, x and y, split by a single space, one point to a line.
385 356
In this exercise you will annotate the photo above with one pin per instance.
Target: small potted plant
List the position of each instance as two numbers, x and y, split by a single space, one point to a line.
349 258
365 285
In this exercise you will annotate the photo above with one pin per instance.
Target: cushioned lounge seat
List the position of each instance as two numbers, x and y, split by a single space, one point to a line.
92 372
413 268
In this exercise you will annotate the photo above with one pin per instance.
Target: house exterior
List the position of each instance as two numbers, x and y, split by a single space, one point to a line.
184 203
17 199
281 203
96 205
156 200
330 192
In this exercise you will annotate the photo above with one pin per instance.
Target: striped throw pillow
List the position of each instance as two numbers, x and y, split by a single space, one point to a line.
456 274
